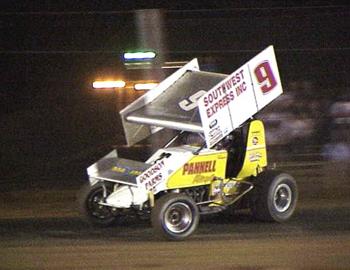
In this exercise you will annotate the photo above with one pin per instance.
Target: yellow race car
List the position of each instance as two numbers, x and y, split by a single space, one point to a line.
217 159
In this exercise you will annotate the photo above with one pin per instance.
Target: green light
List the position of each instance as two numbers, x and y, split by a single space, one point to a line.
139 56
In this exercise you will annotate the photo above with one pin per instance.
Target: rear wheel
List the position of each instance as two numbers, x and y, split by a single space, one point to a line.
175 216
275 196
89 198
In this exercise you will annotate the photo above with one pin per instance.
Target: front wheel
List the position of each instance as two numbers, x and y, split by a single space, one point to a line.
175 216
275 196
89 198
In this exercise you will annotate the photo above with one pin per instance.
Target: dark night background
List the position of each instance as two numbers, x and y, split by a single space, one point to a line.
53 124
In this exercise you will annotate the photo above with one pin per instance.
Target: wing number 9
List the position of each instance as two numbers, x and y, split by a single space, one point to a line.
265 77
191 102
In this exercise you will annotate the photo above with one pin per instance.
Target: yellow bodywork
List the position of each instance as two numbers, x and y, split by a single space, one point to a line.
255 157
210 165
200 170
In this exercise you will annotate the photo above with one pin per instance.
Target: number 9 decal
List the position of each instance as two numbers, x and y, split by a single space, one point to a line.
191 103
265 77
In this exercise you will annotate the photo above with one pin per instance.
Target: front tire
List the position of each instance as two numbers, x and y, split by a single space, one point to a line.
88 202
175 216
275 196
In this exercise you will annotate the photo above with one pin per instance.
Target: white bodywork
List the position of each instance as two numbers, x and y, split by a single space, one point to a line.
152 179
126 196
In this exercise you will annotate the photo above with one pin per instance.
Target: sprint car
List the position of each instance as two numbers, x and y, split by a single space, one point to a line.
217 158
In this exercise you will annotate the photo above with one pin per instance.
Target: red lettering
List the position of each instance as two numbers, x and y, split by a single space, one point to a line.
205 101
190 170
238 78
241 72
153 181
241 88
199 167
206 168
232 95
208 113
185 168
265 77
228 84
222 103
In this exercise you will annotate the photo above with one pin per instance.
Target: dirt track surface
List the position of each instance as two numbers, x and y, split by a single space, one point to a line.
40 229
318 237
312 252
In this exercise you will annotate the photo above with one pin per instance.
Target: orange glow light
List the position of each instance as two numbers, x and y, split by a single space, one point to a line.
108 84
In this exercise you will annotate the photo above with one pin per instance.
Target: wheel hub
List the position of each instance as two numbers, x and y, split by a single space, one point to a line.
282 197
178 217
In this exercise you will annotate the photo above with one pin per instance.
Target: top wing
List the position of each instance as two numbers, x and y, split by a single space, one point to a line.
176 108
197 101
172 104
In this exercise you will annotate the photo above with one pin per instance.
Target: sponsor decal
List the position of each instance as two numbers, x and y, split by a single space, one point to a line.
265 77
220 97
118 169
216 190
256 156
152 176
135 172
221 103
126 171
215 134
213 123
191 102
239 96
151 183
199 167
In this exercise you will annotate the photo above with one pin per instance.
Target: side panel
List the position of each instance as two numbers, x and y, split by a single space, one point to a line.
135 132
255 156
165 162
199 170
239 96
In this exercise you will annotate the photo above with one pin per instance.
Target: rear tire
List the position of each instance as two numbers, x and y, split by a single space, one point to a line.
89 207
175 216
275 196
